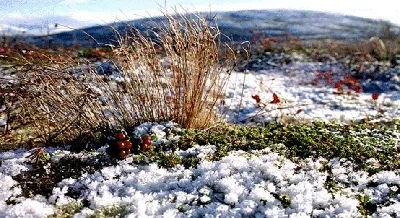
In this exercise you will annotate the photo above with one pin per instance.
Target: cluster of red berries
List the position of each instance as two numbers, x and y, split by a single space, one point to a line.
123 145
145 142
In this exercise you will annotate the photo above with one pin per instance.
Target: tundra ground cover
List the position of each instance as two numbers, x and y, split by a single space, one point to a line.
287 146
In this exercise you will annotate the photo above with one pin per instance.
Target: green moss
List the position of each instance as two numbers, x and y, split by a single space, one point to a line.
68 210
331 185
190 161
356 141
111 211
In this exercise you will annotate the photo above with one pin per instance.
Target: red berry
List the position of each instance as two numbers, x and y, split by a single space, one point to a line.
120 145
120 136
375 96
147 142
146 137
257 98
127 152
143 147
276 99
122 153
128 144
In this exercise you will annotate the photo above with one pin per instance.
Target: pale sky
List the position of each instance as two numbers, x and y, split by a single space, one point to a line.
80 13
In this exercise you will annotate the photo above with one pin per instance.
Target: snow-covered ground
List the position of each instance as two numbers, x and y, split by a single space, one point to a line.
293 85
242 184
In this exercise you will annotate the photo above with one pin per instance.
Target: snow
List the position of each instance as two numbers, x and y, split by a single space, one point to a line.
242 184
237 186
296 92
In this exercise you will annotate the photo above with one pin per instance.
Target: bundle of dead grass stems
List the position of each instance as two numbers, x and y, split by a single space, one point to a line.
178 74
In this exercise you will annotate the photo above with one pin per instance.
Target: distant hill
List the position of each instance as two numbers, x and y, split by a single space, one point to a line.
9 30
241 25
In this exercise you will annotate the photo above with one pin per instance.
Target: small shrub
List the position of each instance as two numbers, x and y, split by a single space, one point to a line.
285 200
39 156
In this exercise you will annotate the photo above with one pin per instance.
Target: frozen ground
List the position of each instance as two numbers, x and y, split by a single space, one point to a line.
242 184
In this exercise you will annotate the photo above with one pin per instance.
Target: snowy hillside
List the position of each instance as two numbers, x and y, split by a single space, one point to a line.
241 26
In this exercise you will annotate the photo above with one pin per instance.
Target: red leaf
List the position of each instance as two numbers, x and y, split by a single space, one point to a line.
257 98
3 50
338 85
265 42
357 89
276 99
299 111
329 80
375 96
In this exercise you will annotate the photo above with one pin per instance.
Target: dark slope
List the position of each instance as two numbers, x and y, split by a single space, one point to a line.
241 25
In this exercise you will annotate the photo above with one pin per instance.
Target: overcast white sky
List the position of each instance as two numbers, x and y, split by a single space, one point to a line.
79 13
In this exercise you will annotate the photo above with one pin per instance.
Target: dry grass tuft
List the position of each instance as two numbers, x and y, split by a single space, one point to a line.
177 74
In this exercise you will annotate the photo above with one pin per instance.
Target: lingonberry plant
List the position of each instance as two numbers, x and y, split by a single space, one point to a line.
120 145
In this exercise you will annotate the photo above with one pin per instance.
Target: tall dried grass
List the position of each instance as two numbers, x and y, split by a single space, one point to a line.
177 75
187 82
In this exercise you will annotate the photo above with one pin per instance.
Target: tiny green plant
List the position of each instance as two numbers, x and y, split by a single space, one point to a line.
39 156
365 206
68 210
169 160
285 200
